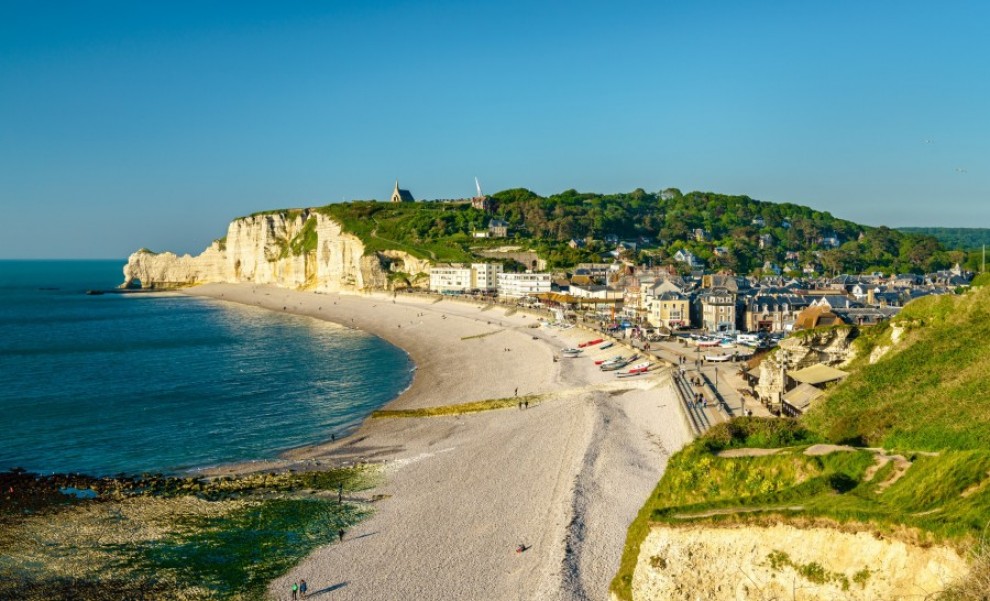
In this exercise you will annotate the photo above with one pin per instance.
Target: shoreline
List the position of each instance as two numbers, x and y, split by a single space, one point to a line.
461 492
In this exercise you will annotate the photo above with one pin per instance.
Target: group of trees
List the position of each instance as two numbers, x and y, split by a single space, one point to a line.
730 232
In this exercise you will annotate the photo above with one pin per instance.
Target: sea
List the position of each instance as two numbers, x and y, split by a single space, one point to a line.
167 383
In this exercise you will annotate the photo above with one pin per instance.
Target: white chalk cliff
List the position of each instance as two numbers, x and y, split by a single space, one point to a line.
272 248
757 563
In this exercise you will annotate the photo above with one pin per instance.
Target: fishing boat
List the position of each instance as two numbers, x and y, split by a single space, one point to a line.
591 342
571 352
708 342
615 358
718 358
608 344
617 365
635 370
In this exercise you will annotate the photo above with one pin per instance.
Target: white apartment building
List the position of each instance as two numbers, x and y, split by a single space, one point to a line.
459 278
450 278
486 275
518 285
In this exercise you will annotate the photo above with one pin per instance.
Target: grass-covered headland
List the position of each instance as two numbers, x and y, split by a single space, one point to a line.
915 459
723 231
76 537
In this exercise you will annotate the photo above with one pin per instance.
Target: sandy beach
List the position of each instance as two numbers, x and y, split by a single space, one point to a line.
460 493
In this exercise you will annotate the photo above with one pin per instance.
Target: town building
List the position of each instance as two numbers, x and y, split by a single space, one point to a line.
670 309
498 228
686 256
596 291
485 276
518 285
773 313
460 278
718 310
450 278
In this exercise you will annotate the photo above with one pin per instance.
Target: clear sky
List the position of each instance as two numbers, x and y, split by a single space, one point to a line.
130 124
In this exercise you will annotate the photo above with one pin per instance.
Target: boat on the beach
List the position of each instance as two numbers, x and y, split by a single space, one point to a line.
571 352
617 365
718 358
591 342
613 359
608 344
708 342
635 370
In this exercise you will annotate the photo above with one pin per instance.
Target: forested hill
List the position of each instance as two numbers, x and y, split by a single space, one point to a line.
965 238
724 232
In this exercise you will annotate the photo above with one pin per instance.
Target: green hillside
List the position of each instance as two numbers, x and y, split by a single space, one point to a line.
919 424
747 232
965 238
931 393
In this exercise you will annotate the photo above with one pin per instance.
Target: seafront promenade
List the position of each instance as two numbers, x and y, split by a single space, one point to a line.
460 493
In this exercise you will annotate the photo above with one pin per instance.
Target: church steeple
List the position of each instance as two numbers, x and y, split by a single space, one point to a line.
400 195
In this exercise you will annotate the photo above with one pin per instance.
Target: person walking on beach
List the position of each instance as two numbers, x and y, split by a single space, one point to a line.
302 589
295 590
525 404
340 534
517 391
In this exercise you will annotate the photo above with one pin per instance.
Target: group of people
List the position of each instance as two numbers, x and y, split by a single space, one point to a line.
299 590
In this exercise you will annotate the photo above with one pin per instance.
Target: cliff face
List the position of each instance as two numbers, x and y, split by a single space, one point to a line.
785 562
277 249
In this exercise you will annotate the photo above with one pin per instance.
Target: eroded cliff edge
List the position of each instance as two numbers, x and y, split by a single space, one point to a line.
299 249
759 563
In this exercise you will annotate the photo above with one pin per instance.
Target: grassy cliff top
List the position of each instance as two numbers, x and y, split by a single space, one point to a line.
929 392
926 401
748 233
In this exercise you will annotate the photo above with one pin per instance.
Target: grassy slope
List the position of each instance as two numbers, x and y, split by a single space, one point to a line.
929 394
387 226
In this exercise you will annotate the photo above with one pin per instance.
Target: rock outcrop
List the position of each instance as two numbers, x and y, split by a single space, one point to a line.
785 562
299 249
831 346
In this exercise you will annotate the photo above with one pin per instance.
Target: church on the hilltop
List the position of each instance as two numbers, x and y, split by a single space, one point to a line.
399 195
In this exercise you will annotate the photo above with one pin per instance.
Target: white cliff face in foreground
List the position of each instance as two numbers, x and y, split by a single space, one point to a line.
270 249
756 563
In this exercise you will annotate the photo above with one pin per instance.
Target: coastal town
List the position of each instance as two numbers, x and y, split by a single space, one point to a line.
698 319
494 301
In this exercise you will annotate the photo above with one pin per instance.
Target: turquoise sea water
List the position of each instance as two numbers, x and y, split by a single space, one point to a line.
150 383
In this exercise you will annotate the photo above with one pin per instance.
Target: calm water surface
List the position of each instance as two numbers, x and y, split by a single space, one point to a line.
146 383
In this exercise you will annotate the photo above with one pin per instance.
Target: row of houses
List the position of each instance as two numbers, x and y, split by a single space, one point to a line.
713 302
729 303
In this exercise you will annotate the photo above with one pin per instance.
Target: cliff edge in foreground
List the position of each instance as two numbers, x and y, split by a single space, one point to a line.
297 248
880 491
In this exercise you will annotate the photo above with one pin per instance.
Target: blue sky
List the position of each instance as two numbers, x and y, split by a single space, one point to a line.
130 124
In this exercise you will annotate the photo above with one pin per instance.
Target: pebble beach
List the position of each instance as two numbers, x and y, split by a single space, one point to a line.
461 493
